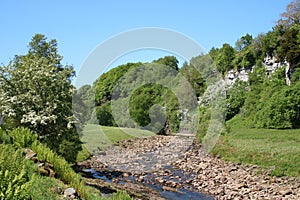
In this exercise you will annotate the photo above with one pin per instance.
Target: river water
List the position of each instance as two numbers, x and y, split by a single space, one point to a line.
185 192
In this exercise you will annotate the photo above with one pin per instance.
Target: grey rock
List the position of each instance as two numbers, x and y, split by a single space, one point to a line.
70 192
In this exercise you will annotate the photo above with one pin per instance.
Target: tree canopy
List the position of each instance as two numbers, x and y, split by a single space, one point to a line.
132 82
36 92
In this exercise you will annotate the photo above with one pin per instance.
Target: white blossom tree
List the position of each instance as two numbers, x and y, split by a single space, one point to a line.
36 92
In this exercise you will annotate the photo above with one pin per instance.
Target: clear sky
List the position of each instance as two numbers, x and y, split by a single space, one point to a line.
79 26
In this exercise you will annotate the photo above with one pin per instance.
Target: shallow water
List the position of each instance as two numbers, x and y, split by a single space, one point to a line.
184 193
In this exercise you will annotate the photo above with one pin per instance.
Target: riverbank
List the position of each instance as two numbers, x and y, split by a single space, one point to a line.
196 171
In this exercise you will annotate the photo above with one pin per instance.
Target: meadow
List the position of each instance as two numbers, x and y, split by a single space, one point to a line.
96 136
278 150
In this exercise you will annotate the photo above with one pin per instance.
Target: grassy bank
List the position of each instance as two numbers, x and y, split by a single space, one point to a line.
278 149
22 178
95 136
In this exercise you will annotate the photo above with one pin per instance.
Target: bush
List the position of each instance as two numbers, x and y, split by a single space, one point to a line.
235 98
22 137
273 104
66 145
104 115
205 117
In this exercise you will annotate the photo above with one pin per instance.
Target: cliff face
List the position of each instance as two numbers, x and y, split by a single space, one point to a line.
270 63
233 75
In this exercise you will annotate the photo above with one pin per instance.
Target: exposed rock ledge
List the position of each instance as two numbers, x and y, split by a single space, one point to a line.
271 64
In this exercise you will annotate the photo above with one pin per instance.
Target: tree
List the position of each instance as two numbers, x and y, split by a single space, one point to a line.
252 103
257 47
83 103
291 15
194 77
243 42
214 53
106 82
170 61
104 115
281 108
244 58
142 100
145 87
235 98
225 57
147 106
270 42
289 49
271 103
36 92
206 66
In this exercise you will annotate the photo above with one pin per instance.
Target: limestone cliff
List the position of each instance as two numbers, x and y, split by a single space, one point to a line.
270 63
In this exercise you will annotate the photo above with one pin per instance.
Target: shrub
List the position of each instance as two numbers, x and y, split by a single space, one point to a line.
22 137
4 138
204 121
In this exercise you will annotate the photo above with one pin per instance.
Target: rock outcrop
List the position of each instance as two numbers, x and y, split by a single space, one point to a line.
271 64
233 75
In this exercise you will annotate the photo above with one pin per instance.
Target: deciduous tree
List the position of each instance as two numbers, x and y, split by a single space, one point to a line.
36 92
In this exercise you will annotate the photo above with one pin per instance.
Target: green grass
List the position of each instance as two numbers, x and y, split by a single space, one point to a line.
43 188
95 136
120 195
279 149
83 154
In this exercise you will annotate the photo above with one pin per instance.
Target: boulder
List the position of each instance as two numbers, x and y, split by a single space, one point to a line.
70 193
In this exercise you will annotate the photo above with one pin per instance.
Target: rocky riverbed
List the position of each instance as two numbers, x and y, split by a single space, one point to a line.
174 167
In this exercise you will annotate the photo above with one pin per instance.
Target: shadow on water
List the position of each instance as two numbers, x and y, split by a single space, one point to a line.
185 192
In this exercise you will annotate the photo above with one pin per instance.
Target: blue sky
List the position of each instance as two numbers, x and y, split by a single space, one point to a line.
79 26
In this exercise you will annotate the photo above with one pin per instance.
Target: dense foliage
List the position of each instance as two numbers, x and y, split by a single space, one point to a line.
147 91
273 104
265 100
105 84
194 77
19 174
235 98
36 92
